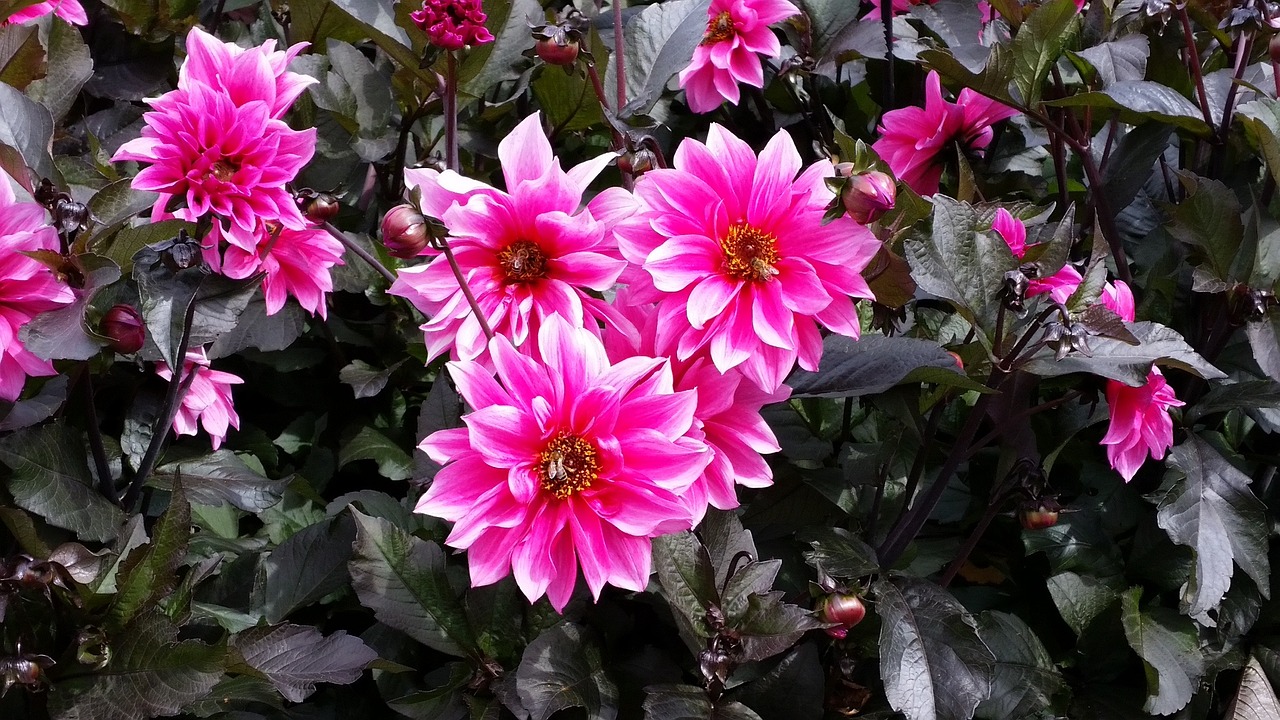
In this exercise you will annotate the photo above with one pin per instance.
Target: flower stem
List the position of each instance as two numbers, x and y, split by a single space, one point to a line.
1193 59
105 484
360 252
620 53
451 111
886 17
443 245
993 509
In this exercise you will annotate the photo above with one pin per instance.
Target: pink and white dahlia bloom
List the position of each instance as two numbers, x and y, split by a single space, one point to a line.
527 253
208 400
568 461
69 10
913 140
1140 422
1060 285
295 262
737 34
244 75
739 260
27 287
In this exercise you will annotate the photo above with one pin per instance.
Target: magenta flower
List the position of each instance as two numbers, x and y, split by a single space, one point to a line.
27 288
453 24
1060 285
244 75
913 140
69 10
566 461
208 400
527 253
295 262
737 33
1140 422
738 257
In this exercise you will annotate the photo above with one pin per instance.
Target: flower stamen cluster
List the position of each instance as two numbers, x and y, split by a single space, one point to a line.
568 465
749 253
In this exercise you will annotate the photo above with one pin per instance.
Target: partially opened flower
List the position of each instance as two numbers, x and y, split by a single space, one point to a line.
526 253
739 260
737 34
567 461
1140 423
914 141
294 262
69 10
27 287
1058 286
207 401
245 75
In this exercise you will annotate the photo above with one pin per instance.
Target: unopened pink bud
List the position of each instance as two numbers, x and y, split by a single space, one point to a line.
123 328
868 196
404 232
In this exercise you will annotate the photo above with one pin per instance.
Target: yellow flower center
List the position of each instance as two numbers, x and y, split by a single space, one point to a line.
719 29
224 169
523 261
749 253
567 465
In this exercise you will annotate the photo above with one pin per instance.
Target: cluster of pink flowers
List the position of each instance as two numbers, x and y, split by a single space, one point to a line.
208 399
737 34
453 24
610 423
27 287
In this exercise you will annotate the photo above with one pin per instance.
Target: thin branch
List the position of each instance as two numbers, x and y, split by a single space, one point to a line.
105 483
451 111
1193 59
620 53
360 252
443 245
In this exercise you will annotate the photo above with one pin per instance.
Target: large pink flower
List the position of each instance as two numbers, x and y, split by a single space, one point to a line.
526 253
1140 422
69 10
294 262
737 33
739 259
566 461
208 400
244 75
913 140
1060 285
27 288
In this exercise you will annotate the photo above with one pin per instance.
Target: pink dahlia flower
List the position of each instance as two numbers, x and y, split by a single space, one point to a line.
244 75
69 10
208 400
453 24
1140 422
566 462
737 33
739 260
1061 285
295 262
527 253
27 288
217 156
913 140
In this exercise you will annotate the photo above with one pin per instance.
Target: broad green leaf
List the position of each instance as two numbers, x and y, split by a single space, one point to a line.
1213 512
563 668
27 127
1127 363
993 81
367 93
442 409
1138 101
727 542
769 626
829 20
402 579
70 67
839 553
792 689
22 57
150 674
1082 596
1255 698
293 658
869 366
221 477
1120 60
51 479
62 334
123 245
1208 219
308 565
1025 679
688 582
1132 161
1264 339
567 99
234 691
444 699
1169 648
1261 120
256 329
116 203
370 444
366 380
1039 43
316 21
148 573
686 702
660 39
934 665
1246 395
35 409
497 613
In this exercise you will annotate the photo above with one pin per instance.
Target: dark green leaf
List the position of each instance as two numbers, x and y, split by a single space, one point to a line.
1261 119
27 127
992 82
497 613
233 691
70 67
660 41
685 702
770 626
688 581
402 579
370 444
1025 679
1130 165
839 553
444 699
1138 101
1245 395
366 380
51 479
1082 596
148 573
868 366
934 665
1264 339
294 657
118 202
128 241
829 20
567 99
222 477
441 409
1121 60
256 329
1039 44
1255 698
727 542
792 689
22 58
1209 220
562 668
369 95
308 565
1169 649
40 407
62 334
1213 512
1129 364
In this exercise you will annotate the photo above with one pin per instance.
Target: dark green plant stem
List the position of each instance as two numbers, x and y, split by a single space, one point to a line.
1005 364
105 484
1244 46
1193 61
886 18
1047 405
217 17
993 509
1060 168
178 385
846 420
620 53
882 477
917 465
617 142
360 252
451 112
402 144
443 245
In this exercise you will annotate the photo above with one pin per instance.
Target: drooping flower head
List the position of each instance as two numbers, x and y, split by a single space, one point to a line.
69 10
453 24
737 33
244 75
294 262
568 461
207 401
913 140
1060 285
739 260
27 287
526 253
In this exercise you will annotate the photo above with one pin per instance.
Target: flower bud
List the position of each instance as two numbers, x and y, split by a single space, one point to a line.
637 162
317 207
1273 48
123 328
846 609
867 196
1039 514
404 232
558 51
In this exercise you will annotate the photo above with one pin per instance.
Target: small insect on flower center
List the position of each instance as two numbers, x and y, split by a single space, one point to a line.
749 253
567 465
523 261
719 29
224 169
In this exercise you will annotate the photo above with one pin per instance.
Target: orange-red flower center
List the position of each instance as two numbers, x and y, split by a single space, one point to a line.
523 261
568 464
719 29
749 253
224 169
